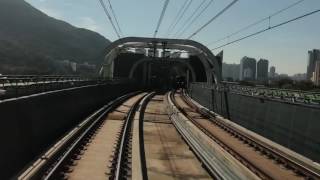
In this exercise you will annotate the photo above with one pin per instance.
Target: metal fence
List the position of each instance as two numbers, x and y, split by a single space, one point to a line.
287 95
288 117
12 86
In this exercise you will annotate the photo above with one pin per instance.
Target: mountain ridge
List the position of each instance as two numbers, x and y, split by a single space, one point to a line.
33 42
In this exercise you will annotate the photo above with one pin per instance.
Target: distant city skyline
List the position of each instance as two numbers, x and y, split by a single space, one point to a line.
233 71
285 47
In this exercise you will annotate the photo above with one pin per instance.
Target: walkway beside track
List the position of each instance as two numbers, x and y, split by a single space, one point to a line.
262 160
97 156
167 155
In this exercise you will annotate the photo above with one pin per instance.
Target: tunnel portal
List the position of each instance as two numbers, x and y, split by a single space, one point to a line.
161 63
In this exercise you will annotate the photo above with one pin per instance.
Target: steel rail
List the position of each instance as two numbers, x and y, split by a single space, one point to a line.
141 110
280 157
122 152
123 142
215 166
81 137
50 162
227 148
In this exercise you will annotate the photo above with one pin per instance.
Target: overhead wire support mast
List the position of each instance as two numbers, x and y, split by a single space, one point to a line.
212 19
115 17
109 17
161 17
266 29
256 23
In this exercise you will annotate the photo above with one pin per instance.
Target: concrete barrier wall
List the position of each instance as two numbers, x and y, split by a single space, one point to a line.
294 126
30 124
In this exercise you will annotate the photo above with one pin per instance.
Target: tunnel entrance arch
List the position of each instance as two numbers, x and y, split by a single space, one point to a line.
172 72
147 59
211 64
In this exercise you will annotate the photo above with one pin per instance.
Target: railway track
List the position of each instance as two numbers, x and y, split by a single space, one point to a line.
98 148
130 138
167 155
261 159
134 138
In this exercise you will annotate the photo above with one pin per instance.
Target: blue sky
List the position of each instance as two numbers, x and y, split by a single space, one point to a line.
285 47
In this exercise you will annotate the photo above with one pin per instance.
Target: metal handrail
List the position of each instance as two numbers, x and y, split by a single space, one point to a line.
288 95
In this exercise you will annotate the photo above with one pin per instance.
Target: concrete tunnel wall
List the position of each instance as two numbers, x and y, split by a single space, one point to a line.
29 125
294 126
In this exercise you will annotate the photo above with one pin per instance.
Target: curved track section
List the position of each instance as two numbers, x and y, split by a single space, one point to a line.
263 160
155 136
217 161
167 154
98 148
130 138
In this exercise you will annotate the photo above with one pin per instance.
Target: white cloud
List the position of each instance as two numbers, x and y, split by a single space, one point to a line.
88 23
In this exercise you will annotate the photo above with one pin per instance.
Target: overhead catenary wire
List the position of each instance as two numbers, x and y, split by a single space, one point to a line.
109 17
175 19
256 23
266 29
115 17
195 18
212 19
182 14
190 17
161 17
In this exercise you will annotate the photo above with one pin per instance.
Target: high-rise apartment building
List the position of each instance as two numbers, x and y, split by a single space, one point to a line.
230 71
248 68
316 74
262 70
313 57
272 72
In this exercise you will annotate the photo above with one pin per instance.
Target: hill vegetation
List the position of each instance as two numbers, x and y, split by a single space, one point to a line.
33 43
